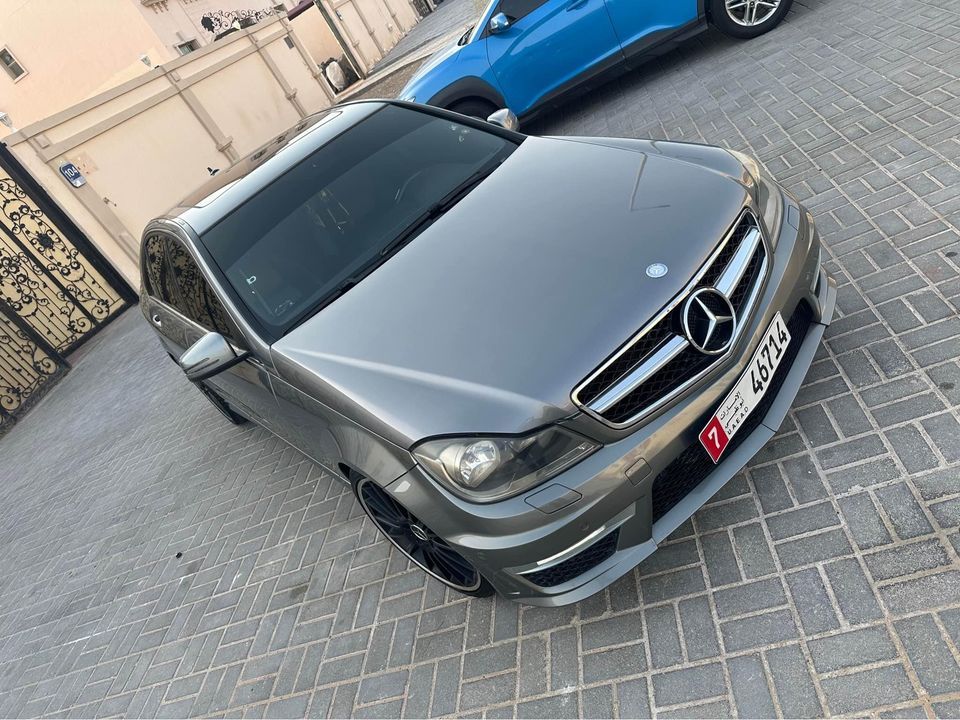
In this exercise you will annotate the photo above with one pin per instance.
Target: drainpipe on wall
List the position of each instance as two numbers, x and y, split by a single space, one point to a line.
348 49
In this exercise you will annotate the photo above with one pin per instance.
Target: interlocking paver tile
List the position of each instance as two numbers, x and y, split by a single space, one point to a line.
158 562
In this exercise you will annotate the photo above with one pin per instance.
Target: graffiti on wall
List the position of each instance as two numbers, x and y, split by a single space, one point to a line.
222 22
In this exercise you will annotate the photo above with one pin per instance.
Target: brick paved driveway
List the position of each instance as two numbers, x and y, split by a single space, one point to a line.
450 16
159 562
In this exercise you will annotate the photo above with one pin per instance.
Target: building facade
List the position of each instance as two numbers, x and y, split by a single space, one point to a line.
56 54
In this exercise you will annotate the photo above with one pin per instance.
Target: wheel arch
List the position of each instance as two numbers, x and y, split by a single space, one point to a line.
466 89
349 472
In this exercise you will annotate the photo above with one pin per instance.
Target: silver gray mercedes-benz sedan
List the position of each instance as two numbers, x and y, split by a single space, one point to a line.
531 358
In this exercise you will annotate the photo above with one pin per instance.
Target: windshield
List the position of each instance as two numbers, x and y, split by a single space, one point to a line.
317 229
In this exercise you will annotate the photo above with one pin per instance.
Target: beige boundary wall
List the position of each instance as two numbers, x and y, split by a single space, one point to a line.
316 35
368 28
371 27
145 144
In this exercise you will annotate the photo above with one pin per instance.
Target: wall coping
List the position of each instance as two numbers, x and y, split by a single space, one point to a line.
253 36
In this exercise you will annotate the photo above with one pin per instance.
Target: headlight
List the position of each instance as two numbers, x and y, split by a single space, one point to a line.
493 468
768 196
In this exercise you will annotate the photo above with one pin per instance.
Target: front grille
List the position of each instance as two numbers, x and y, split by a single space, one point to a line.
587 559
658 363
689 363
693 465
632 356
751 278
729 249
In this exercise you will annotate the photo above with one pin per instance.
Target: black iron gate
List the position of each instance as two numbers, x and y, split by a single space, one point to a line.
56 290
28 367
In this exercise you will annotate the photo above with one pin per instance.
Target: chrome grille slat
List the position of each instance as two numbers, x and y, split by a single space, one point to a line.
746 307
733 273
667 352
632 385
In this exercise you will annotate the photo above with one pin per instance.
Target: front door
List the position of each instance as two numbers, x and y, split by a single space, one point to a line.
640 24
183 307
548 45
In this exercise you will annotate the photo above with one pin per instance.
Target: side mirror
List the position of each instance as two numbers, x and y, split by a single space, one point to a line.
498 23
505 119
208 356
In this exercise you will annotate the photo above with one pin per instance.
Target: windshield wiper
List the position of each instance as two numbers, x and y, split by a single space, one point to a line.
430 215
339 290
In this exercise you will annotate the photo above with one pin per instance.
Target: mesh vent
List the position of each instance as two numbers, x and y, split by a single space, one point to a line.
580 563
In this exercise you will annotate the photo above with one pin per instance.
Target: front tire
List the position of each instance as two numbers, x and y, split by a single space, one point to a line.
748 18
420 544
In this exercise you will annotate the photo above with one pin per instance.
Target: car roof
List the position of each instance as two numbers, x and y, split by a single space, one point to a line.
230 188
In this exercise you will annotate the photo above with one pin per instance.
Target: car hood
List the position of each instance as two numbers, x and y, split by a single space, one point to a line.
486 321
431 63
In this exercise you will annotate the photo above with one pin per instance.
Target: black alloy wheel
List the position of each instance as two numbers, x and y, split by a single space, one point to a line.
418 542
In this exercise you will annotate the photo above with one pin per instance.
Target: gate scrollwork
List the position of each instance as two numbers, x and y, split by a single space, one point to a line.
26 369
55 290
44 278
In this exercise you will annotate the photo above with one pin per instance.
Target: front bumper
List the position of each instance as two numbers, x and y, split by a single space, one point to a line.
602 512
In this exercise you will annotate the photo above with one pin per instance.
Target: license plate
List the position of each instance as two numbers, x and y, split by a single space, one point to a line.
748 391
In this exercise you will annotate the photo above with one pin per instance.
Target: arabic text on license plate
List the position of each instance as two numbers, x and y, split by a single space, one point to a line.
746 394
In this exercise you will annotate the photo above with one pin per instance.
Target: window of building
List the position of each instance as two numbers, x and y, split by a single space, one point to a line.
14 69
188 47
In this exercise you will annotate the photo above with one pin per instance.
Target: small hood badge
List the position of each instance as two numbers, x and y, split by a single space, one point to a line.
657 270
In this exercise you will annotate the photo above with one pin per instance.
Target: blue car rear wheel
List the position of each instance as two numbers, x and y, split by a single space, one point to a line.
748 18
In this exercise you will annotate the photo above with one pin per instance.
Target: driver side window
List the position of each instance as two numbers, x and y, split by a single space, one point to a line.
172 276
196 300
155 271
516 9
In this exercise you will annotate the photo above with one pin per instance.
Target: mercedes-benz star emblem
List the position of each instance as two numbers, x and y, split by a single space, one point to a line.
657 270
709 321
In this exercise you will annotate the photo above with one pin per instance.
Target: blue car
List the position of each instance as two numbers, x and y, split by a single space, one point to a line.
525 54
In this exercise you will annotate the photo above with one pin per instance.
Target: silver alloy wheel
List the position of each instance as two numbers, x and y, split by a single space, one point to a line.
749 13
